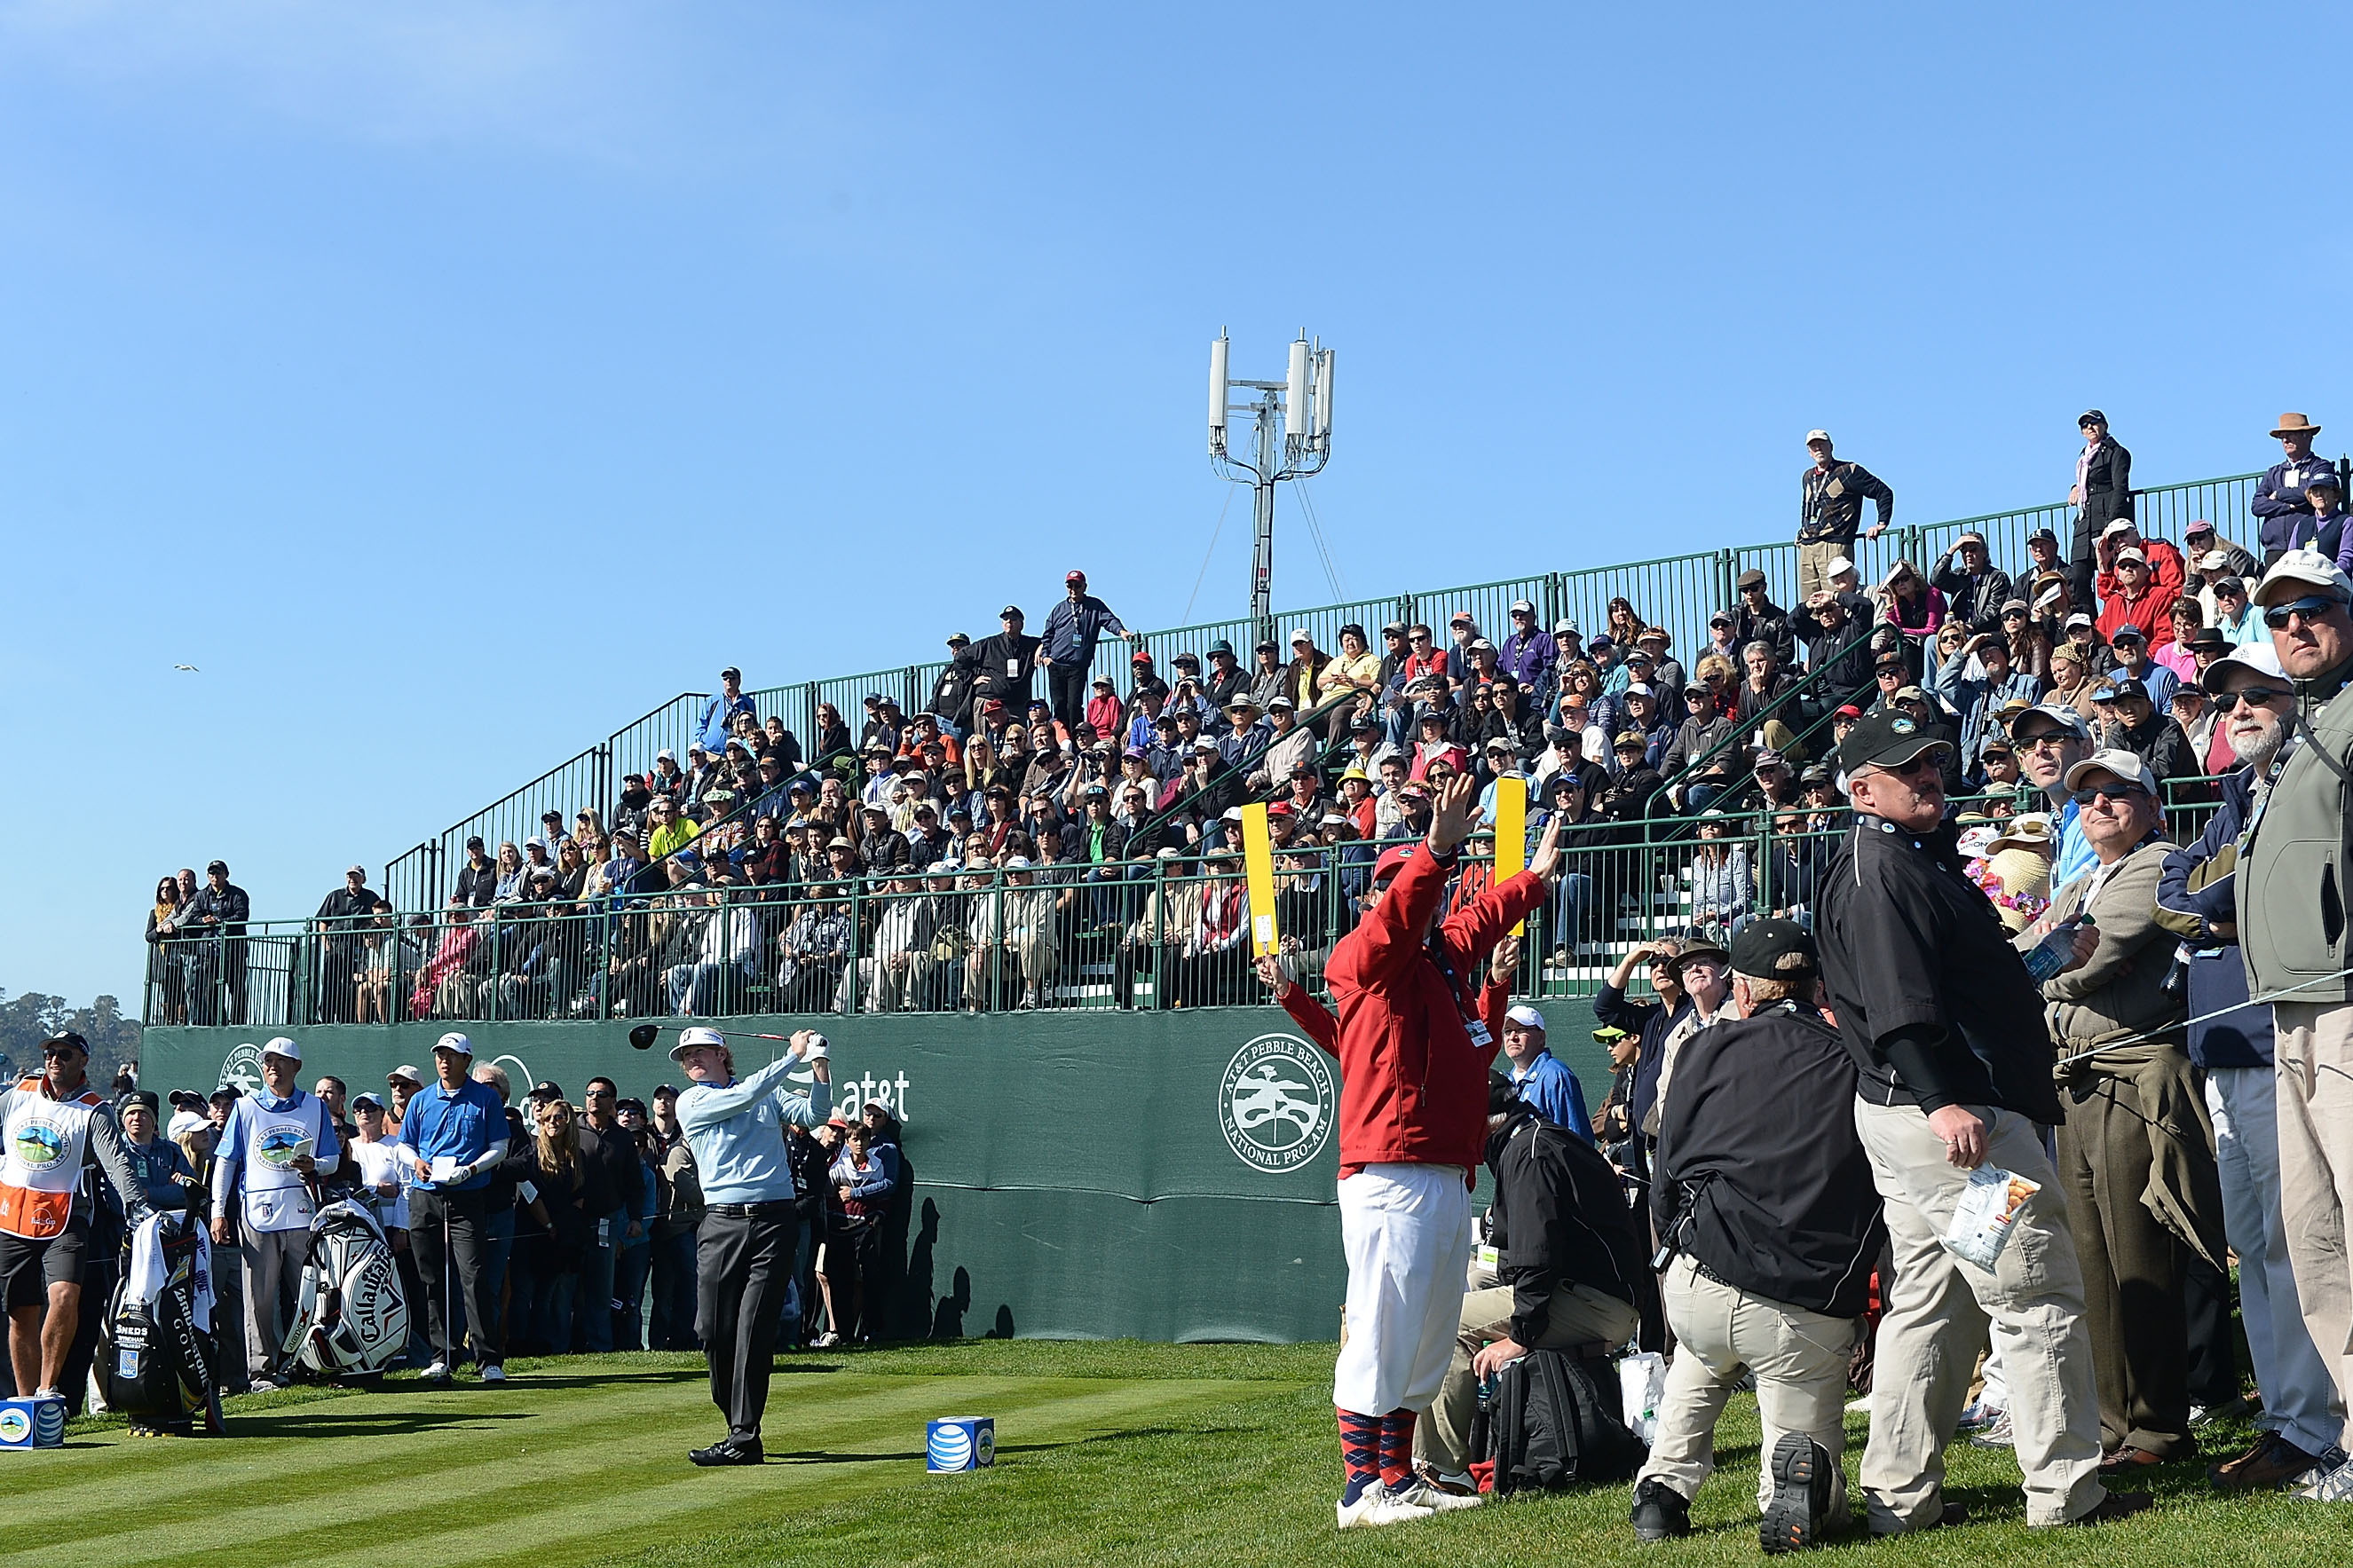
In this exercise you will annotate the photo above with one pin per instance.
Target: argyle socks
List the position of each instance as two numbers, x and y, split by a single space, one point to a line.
1396 1448
1360 1451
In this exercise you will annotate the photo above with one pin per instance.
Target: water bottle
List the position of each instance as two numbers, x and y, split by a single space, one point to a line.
2056 950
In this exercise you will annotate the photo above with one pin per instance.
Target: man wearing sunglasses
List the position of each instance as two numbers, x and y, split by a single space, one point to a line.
52 1128
1953 1072
2051 739
2231 1042
2133 1157
2293 863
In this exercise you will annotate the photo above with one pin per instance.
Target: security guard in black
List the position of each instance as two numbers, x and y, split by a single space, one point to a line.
1935 1005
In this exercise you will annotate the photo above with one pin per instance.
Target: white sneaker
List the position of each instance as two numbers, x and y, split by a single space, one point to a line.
437 1373
264 1384
2001 1435
1446 1494
2326 1485
1376 1506
494 1375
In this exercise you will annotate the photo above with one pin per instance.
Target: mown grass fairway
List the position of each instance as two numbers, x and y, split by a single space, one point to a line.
1107 1454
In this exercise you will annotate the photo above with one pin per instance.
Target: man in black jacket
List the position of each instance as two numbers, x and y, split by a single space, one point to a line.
610 1200
1953 1072
1975 589
1756 618
1571 1271
2101 493
951 701
1005 663
1764 1195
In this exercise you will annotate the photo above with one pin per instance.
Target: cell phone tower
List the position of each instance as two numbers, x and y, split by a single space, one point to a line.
1293 439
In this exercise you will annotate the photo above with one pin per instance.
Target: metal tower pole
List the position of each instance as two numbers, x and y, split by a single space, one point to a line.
1270 462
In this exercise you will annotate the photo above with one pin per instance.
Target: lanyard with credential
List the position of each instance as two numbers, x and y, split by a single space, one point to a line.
1472 1025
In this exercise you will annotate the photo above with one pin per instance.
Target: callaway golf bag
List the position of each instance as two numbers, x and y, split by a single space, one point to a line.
351 1319
155 1346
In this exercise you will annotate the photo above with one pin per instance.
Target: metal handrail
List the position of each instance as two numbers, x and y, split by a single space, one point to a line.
1700 576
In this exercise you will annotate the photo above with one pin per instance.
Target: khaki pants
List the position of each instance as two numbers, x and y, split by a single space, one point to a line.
2132 1273
1814 569
269 1257
1579 1315
1938 1310
1799 1359
2312 1052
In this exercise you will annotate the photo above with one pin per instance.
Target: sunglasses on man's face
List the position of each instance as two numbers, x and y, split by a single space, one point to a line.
2120 791
1919 766
2253 696
2311 608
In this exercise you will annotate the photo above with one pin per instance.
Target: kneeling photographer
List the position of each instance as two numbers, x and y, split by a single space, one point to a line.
1572 1267
1764 1197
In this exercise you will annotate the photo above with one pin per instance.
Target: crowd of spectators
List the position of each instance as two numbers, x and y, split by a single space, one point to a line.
982 852
594 1209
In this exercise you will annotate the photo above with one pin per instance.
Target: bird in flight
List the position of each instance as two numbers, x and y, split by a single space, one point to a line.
191 668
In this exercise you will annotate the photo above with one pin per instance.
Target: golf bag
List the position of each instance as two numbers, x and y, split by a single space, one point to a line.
155 1358
351 1317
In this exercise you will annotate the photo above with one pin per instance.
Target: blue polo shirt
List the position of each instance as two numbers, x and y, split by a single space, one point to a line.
1552 1091
462 1125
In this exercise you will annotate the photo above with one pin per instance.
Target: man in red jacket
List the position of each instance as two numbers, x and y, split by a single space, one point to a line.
1414 1054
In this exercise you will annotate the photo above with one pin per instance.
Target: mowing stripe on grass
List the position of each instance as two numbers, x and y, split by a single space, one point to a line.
479 1476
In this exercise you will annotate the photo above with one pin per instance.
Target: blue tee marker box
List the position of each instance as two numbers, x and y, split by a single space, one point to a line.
955 1443
32 1424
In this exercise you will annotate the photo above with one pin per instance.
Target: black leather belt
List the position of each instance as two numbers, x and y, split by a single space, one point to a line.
774 1208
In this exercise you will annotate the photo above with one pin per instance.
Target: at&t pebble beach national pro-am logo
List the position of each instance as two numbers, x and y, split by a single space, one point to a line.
242 1070
1276 1103
15 1425
39 1145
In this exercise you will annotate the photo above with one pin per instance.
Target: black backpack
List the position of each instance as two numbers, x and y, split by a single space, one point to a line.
1555 1422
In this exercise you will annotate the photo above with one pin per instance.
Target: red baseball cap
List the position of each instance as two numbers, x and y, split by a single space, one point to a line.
1391 862
1074 576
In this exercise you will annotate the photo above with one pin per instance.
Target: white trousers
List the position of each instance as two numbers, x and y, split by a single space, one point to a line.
1405 1229
2296 1383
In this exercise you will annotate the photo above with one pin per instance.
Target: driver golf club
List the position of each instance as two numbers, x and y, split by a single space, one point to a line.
642 1037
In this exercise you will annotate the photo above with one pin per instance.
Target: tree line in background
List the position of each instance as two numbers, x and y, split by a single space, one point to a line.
28 1019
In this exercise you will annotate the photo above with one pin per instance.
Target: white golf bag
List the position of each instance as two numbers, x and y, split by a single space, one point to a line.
351 1317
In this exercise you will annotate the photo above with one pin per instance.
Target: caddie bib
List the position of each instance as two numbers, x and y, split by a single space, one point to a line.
275 1195
46 1141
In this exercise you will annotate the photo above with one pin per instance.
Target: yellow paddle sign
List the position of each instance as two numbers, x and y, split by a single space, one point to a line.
1511 832
1258 868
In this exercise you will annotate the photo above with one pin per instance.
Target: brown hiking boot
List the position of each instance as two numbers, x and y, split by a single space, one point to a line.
2273 1462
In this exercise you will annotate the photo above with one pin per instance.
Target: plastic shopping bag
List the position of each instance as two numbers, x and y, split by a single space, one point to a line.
1985 1214
1641 1381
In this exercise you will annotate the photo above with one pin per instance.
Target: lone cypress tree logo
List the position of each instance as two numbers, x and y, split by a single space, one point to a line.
1276 1103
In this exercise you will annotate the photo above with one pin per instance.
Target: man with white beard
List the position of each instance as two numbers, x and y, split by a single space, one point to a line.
2197 898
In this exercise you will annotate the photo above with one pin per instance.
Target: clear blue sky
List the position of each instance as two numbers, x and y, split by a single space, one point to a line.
451 383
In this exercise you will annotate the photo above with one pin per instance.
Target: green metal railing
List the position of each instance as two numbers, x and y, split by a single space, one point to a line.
1676 594
1136 934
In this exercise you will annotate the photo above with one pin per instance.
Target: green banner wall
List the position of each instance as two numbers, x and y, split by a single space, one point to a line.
1150 1175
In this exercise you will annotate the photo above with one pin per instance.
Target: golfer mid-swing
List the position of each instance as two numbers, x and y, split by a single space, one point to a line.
751 1227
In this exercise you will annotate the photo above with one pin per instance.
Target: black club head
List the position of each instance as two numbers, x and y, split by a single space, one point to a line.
642 1037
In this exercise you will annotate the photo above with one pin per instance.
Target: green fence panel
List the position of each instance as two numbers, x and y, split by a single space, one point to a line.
1166 1177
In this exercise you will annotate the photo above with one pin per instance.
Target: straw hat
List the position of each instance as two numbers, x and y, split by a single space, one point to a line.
2294 424
2031 831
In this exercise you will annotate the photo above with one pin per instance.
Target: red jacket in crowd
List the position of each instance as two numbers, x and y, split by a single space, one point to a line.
1413 1089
